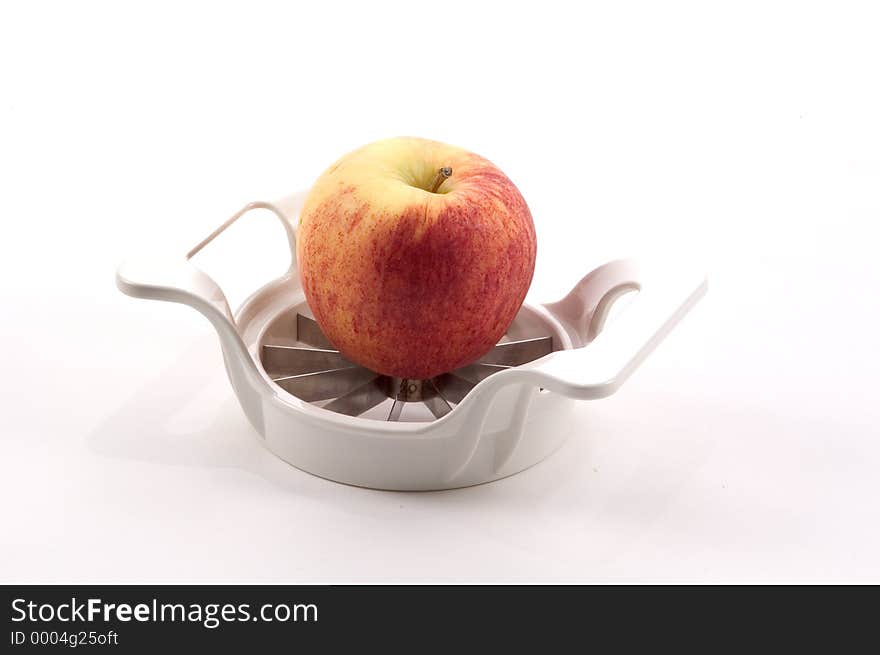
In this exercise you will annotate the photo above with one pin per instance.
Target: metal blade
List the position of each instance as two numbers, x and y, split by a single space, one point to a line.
320 373
478 372
282 361
514 353
453 388
358 400
396 409
324 385
308 331
436 402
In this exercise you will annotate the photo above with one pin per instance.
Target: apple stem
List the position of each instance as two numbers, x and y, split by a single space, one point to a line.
442 175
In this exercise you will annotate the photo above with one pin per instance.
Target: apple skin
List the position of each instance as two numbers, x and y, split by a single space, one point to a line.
406 282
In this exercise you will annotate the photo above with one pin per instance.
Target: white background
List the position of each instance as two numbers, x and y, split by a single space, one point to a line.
745 449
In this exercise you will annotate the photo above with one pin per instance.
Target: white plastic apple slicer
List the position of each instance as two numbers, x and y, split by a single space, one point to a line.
493 418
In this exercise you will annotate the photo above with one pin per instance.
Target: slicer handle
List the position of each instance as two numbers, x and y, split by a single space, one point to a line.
610 354
583 311
175 279
666 294
285 209
600 367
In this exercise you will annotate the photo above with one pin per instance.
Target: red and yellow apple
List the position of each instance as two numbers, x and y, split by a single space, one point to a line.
414 256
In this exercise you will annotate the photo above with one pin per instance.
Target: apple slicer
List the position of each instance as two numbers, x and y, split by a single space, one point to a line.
497 416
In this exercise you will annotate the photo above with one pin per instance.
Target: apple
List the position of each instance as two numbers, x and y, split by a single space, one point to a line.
414 256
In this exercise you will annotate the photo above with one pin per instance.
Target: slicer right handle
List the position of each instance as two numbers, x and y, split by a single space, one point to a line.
666 294
583 311
602 359
600 367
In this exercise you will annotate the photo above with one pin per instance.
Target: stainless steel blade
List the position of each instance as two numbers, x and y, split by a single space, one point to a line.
308 331
514 353
283 361
320 373
396 409
323 385
478 372
452 387
358 400
436 402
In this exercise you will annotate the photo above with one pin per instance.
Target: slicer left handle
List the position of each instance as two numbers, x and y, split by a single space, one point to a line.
176 279
173 280
285 209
